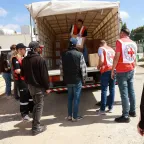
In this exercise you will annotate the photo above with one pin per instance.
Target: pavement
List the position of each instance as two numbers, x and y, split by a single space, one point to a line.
92 129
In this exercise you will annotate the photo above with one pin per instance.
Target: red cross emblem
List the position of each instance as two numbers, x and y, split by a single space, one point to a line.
131 52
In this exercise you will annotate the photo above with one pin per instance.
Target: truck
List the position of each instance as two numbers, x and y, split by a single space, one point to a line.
52 22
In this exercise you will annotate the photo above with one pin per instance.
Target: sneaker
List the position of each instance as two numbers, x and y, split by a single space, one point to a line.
122 119
132 114
26 118
99 112
78 119
39 130
69 118
110 111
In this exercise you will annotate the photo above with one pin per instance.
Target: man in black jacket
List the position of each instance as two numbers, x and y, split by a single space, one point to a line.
73 69
36 76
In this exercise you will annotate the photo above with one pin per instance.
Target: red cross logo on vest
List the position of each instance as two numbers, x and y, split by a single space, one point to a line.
131 52
110 56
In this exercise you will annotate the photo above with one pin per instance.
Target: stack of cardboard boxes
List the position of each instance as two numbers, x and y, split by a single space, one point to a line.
92 46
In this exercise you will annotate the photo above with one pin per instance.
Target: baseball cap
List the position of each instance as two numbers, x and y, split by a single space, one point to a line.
20 45
34 45
125 30
73 41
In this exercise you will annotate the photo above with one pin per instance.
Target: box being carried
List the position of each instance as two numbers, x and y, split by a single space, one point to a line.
93 60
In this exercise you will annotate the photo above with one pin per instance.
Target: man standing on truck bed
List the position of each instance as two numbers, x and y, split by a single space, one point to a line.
124 62
73 70
35 71
106 56
78 30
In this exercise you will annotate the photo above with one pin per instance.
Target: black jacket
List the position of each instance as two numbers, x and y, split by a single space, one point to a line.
71 66
141 124
35 71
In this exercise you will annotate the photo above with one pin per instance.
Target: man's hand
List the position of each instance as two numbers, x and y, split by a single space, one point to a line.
140 131
112 74
48 91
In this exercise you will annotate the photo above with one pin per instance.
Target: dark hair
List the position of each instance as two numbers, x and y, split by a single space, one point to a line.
13 47
102 42
71 45
80 20
126 31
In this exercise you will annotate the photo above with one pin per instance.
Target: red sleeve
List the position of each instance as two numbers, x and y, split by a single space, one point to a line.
118 46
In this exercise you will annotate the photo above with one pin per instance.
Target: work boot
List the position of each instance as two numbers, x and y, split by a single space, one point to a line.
132 114
38 130
122 119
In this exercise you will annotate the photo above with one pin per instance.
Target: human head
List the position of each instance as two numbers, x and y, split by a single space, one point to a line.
21 49
34 46
73 42
79 23
13 47
124 32
103 43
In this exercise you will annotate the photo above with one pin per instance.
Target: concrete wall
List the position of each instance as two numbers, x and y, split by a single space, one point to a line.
7 40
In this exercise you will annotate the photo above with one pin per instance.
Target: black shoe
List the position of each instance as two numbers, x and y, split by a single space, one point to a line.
39 130
17 98
122 119
132 114
99 104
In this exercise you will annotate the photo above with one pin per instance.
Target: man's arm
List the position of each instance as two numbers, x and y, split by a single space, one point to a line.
22 69
44 74
61 70
115 61
16 65
83 68
101 58
116 58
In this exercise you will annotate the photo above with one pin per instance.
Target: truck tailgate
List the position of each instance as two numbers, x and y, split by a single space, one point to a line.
57 72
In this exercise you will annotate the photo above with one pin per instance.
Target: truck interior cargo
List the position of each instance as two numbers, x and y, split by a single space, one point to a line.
53 21
54 30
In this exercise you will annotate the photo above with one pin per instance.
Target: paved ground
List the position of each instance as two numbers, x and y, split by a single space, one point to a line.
91 130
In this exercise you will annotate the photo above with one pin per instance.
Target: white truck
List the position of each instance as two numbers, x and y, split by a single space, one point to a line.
53 19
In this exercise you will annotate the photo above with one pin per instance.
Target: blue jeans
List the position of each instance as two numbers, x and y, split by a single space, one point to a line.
74 93
7 78
85 53
125 83
105 82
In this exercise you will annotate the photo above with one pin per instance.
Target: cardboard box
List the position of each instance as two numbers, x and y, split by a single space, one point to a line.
93 60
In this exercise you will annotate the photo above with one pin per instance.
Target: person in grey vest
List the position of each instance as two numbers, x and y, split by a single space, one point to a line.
73 70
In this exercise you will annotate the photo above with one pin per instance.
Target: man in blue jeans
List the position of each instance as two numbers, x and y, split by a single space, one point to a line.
73 70
124 62
106 55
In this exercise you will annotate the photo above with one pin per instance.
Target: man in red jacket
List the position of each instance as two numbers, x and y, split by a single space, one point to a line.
79 30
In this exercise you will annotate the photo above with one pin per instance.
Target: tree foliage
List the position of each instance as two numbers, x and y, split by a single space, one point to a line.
138 33
124 25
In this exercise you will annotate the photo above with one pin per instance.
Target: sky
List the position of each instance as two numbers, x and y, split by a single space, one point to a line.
13 13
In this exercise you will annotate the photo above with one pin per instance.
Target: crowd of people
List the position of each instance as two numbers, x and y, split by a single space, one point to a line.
31 79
